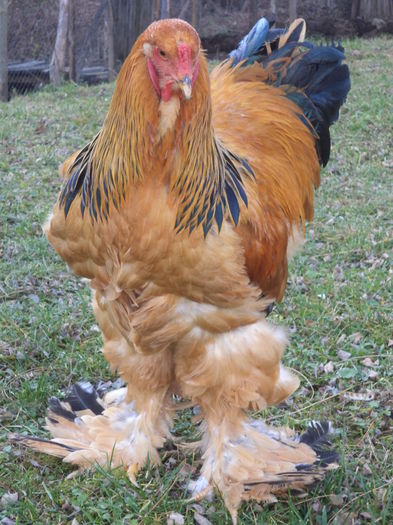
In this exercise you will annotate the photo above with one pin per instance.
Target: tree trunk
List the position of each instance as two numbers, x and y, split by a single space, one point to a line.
292 10
273 7
165 8
71 42
3 50
369 9
196 13
156 9
57 65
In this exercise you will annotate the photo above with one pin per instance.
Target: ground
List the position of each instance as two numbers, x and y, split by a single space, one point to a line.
338 310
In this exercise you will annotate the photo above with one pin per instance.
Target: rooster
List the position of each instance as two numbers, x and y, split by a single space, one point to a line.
182 212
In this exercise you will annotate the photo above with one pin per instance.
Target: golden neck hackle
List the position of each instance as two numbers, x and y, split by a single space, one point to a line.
127 147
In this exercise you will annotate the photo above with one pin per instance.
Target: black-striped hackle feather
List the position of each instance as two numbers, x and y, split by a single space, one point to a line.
211 188
80 182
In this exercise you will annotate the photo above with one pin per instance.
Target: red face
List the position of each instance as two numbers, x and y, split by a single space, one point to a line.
173 71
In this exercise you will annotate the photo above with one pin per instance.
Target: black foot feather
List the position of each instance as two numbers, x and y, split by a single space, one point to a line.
317 437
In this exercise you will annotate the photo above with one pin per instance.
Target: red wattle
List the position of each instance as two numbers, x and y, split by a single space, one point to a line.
166 93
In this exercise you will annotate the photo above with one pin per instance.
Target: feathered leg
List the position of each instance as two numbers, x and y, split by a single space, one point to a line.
226 374
124 428
117 434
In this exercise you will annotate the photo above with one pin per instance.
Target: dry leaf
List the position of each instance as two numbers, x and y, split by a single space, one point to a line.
336 499
356 337
9 498
347 518
316 506
370 363
373 374
343 355
198 508
329 367
175 518
359 396
7 521
201 520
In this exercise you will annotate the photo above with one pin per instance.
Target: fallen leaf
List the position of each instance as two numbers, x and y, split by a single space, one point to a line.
7 521
348 518
35 463
198 508
356 337
366 515
175 518
201 520
366 470
336 499
370 363
329 367
359 396
316 506
9 498
343 355
373 374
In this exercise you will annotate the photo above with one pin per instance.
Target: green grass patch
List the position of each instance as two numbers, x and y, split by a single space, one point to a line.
338 310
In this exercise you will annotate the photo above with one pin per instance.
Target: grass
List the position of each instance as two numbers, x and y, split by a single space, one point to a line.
338 309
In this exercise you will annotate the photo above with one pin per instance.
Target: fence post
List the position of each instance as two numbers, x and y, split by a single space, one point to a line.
196 13
165 9
57 65
3 50
71 41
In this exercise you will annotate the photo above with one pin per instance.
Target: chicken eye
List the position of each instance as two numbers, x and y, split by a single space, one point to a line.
162 53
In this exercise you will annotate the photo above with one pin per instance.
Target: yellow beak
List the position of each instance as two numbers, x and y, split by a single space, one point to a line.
185 87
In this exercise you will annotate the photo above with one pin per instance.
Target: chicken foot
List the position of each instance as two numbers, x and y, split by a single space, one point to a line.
226 374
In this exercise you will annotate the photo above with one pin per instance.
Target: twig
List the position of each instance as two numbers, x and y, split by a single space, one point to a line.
312 404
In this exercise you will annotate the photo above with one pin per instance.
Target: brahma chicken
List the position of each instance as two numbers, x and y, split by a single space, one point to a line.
182 212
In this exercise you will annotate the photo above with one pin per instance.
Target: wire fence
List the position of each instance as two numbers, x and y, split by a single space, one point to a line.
32 28
100 32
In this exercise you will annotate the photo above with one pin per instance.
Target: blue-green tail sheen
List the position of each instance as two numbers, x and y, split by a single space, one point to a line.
313 77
